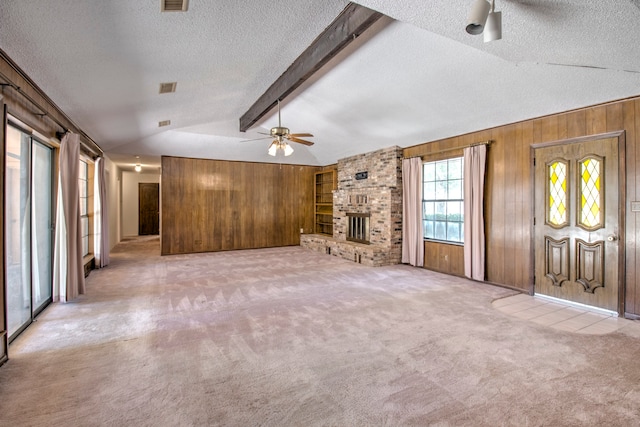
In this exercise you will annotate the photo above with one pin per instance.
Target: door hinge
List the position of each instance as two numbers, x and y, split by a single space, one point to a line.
534 161
534 221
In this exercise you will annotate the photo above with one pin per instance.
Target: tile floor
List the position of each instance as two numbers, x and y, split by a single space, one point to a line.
560 315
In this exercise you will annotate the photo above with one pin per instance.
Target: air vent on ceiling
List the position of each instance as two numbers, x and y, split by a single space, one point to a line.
174 5
164 123
168 87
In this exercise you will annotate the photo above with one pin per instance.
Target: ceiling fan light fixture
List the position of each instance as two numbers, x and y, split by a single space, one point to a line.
478 17
493 28
287 149
273 148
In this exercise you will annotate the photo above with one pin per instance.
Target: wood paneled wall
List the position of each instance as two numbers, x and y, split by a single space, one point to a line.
445 258
509 189
215 205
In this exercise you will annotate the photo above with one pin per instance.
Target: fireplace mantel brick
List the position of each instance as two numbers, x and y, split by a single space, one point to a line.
382 191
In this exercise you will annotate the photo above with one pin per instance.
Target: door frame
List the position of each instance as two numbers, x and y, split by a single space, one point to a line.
622 201
140 186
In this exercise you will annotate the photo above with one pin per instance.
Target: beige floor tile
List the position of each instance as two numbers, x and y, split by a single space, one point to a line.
586 319
555 316
545 320
547 308
564 317
526 314
564 326
600 328
511 300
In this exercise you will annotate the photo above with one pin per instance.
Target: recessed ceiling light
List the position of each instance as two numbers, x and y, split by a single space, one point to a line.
174 5
164 123
168 87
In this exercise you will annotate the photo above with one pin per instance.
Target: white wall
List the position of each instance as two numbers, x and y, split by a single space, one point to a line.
130 181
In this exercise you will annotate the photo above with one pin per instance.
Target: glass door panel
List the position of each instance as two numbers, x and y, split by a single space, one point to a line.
41 227
17 230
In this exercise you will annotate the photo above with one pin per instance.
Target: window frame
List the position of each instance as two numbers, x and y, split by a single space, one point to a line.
447 200
88 199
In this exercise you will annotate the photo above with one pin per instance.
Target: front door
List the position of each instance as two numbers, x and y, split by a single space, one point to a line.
576 222
149 209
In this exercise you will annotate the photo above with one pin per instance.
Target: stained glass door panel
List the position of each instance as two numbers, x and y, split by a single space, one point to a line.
576 238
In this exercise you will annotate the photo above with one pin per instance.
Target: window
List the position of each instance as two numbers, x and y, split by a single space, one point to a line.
591 198
83 183
558 194
443 201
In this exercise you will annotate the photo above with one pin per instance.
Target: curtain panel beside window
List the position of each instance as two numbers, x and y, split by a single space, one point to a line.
412 232
475 158
101 221
68 268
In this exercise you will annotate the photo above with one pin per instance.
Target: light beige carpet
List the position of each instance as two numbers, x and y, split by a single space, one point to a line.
285 336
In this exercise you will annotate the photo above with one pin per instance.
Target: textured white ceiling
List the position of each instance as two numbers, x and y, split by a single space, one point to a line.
410 79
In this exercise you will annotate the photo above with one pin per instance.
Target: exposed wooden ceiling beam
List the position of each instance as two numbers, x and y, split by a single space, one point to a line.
351 22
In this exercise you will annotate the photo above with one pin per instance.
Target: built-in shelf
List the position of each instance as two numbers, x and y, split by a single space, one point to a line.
325 184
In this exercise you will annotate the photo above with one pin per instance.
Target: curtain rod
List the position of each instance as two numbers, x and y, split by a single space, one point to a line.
444 150
93 147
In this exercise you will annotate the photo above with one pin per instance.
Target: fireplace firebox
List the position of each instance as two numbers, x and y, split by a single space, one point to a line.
358 227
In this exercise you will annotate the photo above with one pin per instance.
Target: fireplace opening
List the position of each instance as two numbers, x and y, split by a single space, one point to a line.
358 227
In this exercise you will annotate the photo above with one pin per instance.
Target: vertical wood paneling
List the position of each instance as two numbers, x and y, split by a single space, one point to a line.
519 213
615 117
509 190
563 129
537 131
549 129
212 205
596 120
496 166
508 136
629 124
445 258
633 224
576 124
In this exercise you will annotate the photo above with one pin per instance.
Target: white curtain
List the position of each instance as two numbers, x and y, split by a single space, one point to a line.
68 269
475 159
412 235
101 222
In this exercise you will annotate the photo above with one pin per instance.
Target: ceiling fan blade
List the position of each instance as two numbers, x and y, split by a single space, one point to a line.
299 141
256 139
295 135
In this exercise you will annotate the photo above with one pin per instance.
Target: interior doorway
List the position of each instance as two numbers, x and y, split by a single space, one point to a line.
579 223
148 208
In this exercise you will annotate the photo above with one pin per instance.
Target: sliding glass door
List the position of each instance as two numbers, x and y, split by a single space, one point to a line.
28 231
41 226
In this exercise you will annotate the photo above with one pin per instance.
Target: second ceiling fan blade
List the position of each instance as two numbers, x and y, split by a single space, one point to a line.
299 141
295 135
256 139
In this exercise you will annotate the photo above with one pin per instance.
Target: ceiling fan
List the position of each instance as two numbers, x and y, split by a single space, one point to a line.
280 137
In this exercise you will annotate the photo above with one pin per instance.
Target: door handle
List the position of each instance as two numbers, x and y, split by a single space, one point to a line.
612 238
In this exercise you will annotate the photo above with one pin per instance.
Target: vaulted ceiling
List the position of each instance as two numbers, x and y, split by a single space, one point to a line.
414 76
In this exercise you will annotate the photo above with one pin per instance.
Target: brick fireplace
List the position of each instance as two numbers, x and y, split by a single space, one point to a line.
369 186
